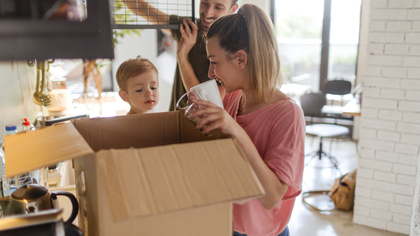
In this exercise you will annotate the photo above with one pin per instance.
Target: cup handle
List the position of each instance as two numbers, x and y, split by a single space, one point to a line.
178 105
198 95
74 203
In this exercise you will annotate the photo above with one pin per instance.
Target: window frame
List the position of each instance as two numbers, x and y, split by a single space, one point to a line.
325 44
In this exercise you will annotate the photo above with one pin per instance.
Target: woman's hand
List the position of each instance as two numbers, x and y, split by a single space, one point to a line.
189 33
213 117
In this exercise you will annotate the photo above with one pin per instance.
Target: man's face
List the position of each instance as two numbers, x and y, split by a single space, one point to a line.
211 10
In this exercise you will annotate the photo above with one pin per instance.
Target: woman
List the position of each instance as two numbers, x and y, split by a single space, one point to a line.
268 125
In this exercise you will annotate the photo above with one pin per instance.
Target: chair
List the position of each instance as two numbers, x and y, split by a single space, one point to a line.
312 104
333 88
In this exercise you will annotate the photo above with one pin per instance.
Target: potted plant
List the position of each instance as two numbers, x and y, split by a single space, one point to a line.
120 15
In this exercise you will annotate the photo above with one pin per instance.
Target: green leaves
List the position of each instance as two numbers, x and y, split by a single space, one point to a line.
121 33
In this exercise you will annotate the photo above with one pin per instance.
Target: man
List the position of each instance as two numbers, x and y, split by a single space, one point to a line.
192 62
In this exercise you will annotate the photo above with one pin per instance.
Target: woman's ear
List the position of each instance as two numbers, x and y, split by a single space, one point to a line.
123 95
242 58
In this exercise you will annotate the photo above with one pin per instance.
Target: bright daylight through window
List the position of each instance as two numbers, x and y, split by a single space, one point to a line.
299 29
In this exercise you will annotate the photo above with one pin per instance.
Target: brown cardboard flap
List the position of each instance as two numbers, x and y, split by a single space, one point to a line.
143 130
147 181
25 152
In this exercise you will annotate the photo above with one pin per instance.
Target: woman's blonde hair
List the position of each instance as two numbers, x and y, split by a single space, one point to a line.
131 68
251 30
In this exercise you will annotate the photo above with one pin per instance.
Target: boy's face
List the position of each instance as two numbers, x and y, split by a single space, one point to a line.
142 92
211 10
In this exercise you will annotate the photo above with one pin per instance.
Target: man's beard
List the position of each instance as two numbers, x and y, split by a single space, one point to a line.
205 28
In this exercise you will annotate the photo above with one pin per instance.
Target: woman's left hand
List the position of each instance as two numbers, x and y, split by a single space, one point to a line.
216 118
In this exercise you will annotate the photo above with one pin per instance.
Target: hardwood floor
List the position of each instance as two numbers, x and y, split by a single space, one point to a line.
307 221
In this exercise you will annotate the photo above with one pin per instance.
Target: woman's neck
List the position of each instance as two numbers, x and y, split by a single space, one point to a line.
250 103
247 100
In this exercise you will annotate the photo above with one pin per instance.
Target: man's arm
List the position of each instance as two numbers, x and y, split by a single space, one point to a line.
187 42
148 12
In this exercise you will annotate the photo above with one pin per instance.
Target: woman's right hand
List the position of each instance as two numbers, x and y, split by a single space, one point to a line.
215 117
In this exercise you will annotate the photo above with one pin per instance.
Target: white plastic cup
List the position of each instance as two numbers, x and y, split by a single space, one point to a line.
205 91
209 91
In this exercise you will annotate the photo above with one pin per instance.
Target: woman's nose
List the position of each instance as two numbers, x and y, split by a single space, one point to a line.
210 74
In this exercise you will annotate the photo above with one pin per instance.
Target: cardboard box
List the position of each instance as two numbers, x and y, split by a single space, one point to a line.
152 174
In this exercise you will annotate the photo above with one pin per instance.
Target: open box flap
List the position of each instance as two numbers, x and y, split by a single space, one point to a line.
141 130
148 181
32 150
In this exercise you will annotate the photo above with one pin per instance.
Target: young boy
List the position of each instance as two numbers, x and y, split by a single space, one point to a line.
139 85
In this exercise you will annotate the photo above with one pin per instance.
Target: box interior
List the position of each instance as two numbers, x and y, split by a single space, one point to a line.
150 168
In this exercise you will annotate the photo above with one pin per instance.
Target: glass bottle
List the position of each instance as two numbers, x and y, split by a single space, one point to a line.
27 126
6 190
9 185
38 176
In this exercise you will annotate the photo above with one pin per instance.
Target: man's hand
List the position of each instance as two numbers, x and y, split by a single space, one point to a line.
187 41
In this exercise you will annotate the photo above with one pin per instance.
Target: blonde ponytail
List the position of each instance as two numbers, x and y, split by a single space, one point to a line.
251 30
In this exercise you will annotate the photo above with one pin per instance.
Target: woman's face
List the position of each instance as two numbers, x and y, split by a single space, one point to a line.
222 68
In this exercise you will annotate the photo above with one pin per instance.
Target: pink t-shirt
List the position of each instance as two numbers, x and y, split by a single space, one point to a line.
278 133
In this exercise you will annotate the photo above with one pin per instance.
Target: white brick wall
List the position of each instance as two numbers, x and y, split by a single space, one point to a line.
388 173
414 73
400 3
415 49
377 25
408 160
416 26
398 26
397 49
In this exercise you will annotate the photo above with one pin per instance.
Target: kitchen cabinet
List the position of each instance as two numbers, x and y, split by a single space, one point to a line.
47 34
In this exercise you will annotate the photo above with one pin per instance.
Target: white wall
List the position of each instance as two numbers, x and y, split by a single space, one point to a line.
390 124
146 46
17 85
264 4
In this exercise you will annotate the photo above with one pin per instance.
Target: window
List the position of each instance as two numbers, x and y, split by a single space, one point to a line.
344 38
318 40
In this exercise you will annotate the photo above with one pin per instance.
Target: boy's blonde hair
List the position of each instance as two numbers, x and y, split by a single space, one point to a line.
131 68
251 30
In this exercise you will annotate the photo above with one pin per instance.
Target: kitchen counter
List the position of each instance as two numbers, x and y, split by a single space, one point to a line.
110 104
